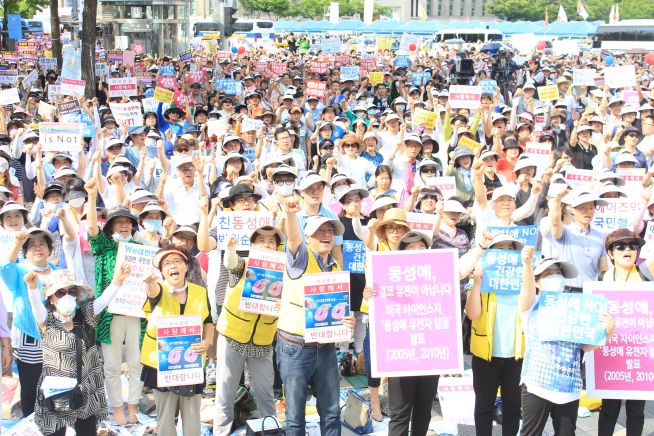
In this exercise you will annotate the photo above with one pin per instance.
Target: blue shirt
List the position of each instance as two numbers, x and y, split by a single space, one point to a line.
296 265
302 217
583 249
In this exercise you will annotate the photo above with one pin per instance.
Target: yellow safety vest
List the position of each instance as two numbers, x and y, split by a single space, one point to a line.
196 304
481 339
291 318
242 326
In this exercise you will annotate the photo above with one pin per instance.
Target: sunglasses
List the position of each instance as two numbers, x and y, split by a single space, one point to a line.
633 135
183 149
115 147
350 145
328 147
622 246
428 170
61 293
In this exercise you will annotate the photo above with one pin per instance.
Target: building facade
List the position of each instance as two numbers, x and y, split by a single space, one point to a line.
404 10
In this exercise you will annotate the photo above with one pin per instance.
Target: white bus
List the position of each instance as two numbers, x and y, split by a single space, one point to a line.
470 35
625 35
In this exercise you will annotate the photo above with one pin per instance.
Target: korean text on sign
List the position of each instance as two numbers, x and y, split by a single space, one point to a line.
240 225
326 303
502 271
263 283
354 256
571 317
177 364
132 295
415 317
624 367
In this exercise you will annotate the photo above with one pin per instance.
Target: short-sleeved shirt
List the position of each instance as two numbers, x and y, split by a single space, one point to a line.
582 158
583 249
303 216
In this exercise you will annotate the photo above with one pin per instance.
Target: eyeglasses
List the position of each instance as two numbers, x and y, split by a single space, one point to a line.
175 262
61 293
243 200
622 246
188 169
350 145
284 182
394 229
115 148
428 170
183 150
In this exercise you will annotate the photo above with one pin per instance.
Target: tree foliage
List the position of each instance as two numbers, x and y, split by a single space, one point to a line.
309 9
26 8
534 10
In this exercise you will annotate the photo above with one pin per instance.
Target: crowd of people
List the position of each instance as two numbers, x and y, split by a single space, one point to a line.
349 162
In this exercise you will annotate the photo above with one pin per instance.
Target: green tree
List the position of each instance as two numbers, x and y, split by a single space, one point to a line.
534 10
274 8
26 8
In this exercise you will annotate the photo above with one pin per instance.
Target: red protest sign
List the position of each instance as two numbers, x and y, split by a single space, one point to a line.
181 99
196 76
279 68
316 88
167 82
318 67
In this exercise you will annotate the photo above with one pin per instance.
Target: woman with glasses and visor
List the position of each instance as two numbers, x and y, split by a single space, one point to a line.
623 247
67 320
174 296
551 371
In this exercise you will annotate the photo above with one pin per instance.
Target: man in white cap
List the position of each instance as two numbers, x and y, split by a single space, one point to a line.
301 363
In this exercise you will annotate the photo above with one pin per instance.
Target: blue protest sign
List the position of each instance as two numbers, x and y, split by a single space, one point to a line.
402 61
528 235
354 256
569 317
88 129
502 271
72 65
166 70
488 85
350 73
229 86
420 78
14 26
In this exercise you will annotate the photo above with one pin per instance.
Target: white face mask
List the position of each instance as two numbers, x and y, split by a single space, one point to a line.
151 142
119 238
284 190
76 202
153 226
553 283
66 305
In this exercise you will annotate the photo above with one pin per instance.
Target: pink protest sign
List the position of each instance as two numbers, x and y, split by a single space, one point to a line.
415 318
624 367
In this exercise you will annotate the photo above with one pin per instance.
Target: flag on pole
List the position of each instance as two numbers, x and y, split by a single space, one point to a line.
547 18
617 12
562 15
581 10
612 15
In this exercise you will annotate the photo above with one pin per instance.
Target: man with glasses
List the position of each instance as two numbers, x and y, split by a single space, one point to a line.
185 189
283 180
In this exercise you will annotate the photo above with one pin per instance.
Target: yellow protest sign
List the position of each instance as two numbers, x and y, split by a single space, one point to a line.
376 77
424 118
163 95
467 142
384 44
548 93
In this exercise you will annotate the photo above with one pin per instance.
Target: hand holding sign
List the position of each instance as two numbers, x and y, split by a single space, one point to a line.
121 273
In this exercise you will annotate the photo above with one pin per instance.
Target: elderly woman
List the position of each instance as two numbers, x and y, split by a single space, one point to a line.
67 322
174 296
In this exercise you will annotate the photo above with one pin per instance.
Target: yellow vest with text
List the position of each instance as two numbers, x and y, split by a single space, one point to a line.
291 318
481 338
242 326
196 304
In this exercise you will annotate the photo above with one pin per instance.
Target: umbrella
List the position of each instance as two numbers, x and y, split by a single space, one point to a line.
494 47
637 51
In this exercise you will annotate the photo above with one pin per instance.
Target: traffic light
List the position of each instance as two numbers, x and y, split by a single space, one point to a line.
230 19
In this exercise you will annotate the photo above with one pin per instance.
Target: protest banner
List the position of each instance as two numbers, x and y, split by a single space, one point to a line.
382 44
402 61
422 117
578 178
624 367
415 318
9 96
318 67
60 137
540 153
623 76
72 63
456 396
229 86
163 95
223 54
181 98
349 73
354 256
69 107
631 98
279 68
409 42
367 64
137 48
463 96
132 295
263 282
25 427
618 213
502 271
127 114
198 76
548 93
186 56
102 69
30 79
376 77
326 303
528 235
9 77
421 222
115 55
633 181
316 88
101 56
249 124
167 82
216 127
570 317
445 184
47 111
467 142
150 104
48 63
240 225
166 71
143 78
583 76
330 45
72 87
342 59
10 56
122 87
420 78
177 365
488 86
128 58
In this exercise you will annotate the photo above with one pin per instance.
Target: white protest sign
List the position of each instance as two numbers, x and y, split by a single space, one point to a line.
540 152
565 47
463 96
620 77
583 76
25 427
421 222
446 184
132 295
128 114
216 127
150 104
122 87
48 63
249 124
101 69
648 249
30 78
46 110
61 136
618 213
72 87
456 396
577 178
240 225
9 96
633 181
409 42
